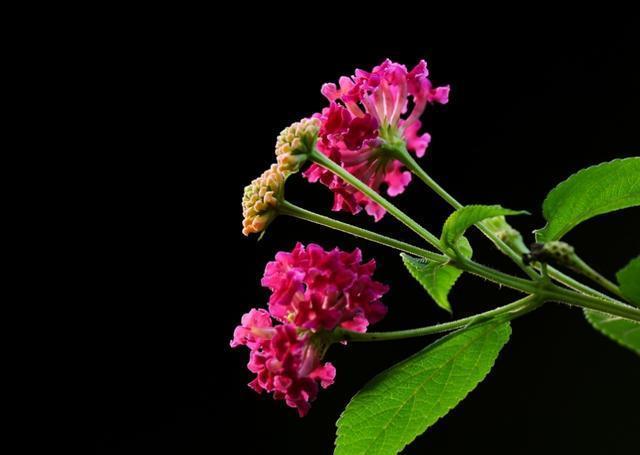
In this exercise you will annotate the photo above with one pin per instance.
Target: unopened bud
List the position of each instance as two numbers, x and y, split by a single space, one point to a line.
555 252
295 143
261 200
506 233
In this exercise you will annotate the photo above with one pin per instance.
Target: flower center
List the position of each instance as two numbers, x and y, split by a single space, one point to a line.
392 144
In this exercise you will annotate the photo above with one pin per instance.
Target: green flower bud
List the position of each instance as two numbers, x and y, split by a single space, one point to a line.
261 199
555 252
295 143
507 234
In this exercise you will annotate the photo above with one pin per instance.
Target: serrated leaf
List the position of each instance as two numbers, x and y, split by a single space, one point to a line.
623 331
437 279
590 192
629 279
462 219
405 400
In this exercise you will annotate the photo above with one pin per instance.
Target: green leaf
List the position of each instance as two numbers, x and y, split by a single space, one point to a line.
462 219
623 331
629 279
592 191
437 279
403 401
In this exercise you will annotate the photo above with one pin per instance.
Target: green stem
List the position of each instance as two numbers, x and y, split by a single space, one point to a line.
544 270
559 294
414 167
576 285
506 313
324 161
586 270
287 208
510 281
552 292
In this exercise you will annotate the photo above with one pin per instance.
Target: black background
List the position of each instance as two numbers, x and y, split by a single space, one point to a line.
529 106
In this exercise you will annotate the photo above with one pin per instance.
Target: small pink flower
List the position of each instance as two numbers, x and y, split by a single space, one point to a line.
285 361
366 120
255 329
317 289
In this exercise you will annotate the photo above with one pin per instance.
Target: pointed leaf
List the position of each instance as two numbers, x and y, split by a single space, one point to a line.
405 400
590 192
437 279
462 219
623 331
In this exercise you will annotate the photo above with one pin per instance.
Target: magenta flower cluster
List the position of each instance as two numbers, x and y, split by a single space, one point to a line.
313 291
366 112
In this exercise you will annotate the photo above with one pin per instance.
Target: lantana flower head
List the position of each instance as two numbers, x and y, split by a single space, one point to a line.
261 199
294 144
313 292
368 125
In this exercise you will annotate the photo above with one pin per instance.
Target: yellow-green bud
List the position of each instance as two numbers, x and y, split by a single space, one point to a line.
261 199
506 233
295 143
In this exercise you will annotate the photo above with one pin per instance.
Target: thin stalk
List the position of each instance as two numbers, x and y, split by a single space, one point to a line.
552 292
544 270
559 294
503 313
506 313
324 161
586 270
576 285
287 208
510 281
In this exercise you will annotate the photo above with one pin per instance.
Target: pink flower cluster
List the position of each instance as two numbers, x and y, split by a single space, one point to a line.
284 361
367 116
313 292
